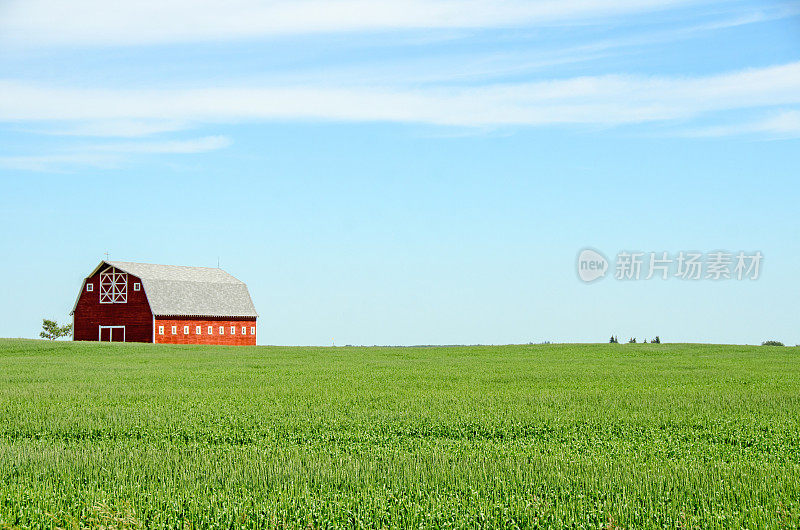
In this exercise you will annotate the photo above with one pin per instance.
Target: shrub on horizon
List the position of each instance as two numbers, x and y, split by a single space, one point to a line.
52 331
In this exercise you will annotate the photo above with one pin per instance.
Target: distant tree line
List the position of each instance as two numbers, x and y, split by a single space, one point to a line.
615 340
657 340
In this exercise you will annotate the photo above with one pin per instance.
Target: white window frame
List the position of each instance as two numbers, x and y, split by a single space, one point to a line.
198 330
252 330
233 330
160 330
174 330
244 330
89 287
113 286
222 330
137 286
185 330
210 330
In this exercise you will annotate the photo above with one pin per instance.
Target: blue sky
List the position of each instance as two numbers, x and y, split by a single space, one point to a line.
408 172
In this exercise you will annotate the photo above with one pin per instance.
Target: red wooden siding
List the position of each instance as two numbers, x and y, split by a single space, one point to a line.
226 338
135 315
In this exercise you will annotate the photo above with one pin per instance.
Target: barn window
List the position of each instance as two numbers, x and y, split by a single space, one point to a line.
210 330
113 286
252 330
174 329
198 330
89 287
137 286
233 330
185 330
222 330
160 330
244 330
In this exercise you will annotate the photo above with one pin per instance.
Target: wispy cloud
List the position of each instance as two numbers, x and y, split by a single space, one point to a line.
110 155
595 100
486 67
59 161
87 22
601 101
116 128
196 145
785 124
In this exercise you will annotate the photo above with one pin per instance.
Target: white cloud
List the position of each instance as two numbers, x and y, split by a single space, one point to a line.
87 22
591 101
110 155
473 66
600 100
118 128
58 161
196 145
785 124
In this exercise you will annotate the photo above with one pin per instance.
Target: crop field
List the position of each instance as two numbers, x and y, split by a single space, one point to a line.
578 436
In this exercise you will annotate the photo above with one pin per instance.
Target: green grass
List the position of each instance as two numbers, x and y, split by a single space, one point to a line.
578 436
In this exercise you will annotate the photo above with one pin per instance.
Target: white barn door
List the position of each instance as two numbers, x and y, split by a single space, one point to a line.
111 334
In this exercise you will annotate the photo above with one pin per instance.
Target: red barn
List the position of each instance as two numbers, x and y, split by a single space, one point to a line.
141 302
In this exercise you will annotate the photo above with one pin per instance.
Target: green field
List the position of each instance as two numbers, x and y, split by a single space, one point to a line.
579 436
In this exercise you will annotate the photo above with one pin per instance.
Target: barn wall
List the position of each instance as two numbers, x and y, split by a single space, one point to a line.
135 315
235 339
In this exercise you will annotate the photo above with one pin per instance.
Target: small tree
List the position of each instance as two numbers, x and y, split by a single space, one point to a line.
632 340
52 331
772 343
656 340
613 340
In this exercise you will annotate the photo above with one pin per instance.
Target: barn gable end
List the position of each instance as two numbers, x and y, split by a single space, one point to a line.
89 313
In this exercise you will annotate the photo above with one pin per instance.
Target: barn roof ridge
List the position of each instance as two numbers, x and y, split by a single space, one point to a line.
182 273
161 264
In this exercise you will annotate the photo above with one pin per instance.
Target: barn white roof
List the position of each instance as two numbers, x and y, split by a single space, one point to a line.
189 291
